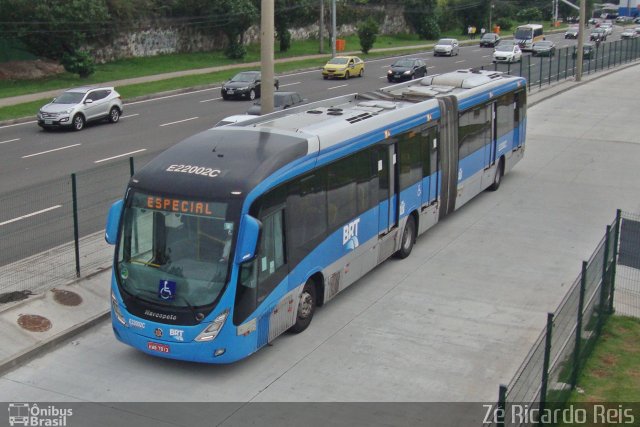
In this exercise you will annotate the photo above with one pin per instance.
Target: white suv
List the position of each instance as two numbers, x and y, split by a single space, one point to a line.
75 107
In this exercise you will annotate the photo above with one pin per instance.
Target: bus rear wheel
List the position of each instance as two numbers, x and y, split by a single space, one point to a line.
306 307
408 238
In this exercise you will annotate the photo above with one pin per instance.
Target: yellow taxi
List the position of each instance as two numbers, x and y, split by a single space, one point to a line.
343 67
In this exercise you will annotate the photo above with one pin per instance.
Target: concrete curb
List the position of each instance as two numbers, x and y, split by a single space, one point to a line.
43 347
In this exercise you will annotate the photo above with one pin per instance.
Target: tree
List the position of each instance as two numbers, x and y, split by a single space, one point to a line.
232 17
529 14
367 32
289 13
422 16
58 29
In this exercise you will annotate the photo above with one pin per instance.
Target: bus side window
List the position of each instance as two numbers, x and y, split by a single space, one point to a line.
271 255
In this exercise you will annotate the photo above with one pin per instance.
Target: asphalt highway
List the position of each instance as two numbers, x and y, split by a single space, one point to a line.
35 166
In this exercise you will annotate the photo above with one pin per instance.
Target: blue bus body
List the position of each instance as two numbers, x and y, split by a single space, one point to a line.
363 176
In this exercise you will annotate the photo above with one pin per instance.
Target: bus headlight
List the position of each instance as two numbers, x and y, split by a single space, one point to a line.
213 329
116 309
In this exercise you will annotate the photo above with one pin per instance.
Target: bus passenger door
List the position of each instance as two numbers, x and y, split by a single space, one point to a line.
490 149
387 197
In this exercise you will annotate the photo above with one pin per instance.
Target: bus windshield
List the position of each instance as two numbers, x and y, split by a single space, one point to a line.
523 33
174 252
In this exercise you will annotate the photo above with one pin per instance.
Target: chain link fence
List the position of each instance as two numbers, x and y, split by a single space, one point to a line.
608 282
52 233
627 293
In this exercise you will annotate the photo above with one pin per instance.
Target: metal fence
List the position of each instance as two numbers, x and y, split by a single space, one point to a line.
546 70
52 232
609 281
627 293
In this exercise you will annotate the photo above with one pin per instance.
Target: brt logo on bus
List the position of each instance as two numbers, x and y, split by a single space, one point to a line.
350 235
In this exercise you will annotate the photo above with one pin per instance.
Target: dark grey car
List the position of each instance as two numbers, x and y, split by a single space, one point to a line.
246 84
281 101
406 69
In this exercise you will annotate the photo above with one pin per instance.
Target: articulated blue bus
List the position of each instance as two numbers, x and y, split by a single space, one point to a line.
237 234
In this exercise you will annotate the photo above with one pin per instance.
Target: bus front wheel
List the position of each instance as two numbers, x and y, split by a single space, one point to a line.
408 238
306 307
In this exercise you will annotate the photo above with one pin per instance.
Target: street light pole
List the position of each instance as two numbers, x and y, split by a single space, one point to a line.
267 40
321 30
579 56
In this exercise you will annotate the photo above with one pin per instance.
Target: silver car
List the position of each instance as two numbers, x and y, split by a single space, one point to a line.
447 47
75 107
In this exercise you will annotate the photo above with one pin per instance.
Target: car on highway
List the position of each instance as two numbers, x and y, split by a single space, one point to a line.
76 107
588 51
608 27
406 69
543 48
245 84
572 33
343 67
624 19
598 34
236 118
489 40
507 52
447 47
629 33
281 101
636 20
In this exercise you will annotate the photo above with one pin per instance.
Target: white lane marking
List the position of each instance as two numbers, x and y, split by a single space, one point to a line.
212 99
30 215
291 84
11 140
476 50
50 151
172 96
120 155
179 121
463 60
19 124
487 56
336 87
129 115
383 77
433 66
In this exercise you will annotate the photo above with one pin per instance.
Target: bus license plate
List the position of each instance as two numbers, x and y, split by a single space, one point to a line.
161 348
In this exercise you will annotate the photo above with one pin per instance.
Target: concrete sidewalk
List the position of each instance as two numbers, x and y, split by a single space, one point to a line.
58 314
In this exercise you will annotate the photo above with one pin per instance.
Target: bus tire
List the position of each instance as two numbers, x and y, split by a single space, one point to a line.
497 179
306 307
408 238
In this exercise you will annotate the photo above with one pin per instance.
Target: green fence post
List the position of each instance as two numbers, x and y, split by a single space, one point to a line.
529 71
609 56
550 67
615 48
558 75
566 62
574 56
576 351
76 234
540 85
521 61
131 168
604 288
616 237
502 404
547 360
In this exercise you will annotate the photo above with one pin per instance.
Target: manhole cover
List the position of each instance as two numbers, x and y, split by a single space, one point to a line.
34 323
66 297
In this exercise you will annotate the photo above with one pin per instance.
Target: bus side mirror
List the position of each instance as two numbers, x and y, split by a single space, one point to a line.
247 239
113 221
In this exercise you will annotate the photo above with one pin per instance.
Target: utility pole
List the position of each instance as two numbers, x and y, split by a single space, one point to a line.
321 30
583 12
333 28
490 29
266 55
